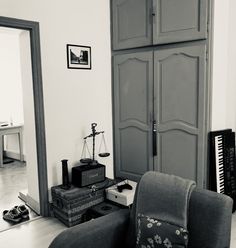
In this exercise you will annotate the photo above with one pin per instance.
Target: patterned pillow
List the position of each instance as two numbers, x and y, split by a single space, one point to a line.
154 233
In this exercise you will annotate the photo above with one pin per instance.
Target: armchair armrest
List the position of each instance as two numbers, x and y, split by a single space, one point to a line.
107 231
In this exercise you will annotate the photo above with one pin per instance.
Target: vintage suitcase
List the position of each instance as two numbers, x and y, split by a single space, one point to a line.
70 206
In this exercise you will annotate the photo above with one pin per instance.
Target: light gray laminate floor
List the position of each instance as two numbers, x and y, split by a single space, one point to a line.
12 181
37 233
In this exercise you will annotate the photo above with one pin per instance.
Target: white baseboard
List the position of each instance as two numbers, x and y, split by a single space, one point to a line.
49 196
13 155
33 204
23 196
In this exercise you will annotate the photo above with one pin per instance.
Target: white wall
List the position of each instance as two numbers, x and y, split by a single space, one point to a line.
10 84
73 99
224 66
231 87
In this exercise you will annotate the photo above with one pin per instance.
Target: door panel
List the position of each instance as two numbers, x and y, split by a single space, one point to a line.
131 23
179 20
175 105
133 108
177 143
180 92
132 87
134 147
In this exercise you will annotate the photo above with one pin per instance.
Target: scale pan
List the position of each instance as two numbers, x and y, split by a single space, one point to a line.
104 154
85 160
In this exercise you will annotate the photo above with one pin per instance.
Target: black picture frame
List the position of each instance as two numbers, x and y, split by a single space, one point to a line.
78 57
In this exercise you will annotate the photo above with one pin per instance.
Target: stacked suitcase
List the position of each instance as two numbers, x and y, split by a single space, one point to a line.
70 206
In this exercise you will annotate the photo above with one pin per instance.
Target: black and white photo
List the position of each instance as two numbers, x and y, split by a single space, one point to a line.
78 57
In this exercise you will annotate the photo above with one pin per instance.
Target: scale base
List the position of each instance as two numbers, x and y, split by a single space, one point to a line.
88 161
93 162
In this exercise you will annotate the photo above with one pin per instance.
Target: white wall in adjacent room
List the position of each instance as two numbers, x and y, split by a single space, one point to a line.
11 102
73 99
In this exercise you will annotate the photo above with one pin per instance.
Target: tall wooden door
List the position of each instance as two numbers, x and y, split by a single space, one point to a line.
133 111
179 20
179 107
131 21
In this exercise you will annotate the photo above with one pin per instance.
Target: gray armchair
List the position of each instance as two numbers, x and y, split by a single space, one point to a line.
209 223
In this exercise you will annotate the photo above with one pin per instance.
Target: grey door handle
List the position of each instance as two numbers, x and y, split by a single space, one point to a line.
154 138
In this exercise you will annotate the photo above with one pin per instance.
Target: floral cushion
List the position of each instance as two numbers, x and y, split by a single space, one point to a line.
154 233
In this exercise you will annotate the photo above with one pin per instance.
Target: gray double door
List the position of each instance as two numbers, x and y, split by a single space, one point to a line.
159 112
138 23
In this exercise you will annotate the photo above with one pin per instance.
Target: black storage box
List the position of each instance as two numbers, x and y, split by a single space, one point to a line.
102 209
70 206
84 175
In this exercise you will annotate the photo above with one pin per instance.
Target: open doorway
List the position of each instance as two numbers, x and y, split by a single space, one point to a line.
17 132
34 147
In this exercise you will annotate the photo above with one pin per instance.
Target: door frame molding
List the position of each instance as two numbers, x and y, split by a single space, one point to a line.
211 7
33 28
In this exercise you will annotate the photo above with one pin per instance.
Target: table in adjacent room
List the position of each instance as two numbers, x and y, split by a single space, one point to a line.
6 130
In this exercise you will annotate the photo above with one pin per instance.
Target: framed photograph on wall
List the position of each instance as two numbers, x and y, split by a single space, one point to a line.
78 57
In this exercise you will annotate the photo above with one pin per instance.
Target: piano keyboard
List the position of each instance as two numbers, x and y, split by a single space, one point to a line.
219 164
222 169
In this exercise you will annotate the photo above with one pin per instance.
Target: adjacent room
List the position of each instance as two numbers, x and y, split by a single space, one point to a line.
117 123
16 124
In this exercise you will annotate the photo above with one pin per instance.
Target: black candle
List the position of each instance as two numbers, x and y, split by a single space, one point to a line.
65 175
